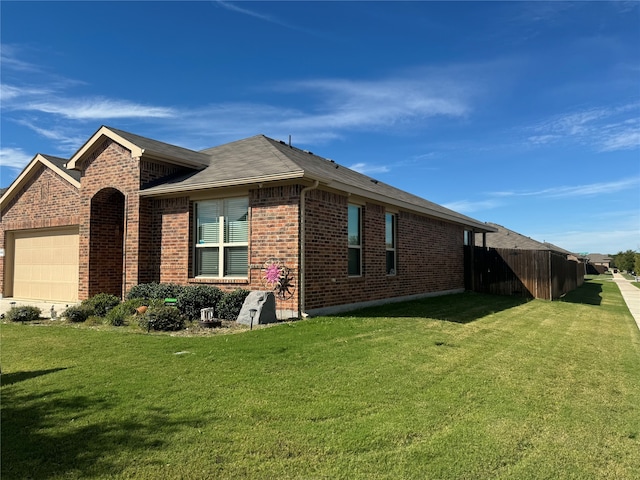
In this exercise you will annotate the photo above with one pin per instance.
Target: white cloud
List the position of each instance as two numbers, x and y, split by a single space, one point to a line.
365 168
62 136
595 240
14 158
233 6
98 108
605 128
575 190
362 104
9 59
469 206
9 92
624 140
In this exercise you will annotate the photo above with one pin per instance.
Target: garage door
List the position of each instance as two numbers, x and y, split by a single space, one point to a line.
45 265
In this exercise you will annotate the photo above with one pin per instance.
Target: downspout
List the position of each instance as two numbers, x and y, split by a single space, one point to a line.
303 225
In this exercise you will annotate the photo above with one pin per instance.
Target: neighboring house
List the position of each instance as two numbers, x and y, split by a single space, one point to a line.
126 210
514 264
600 260
503 237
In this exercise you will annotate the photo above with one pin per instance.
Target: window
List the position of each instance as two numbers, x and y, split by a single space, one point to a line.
390 242
222 238
468 237
355 240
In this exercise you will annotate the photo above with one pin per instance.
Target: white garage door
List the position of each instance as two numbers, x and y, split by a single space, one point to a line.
45 265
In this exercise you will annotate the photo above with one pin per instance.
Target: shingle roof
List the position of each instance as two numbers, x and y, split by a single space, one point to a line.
260 159
61 163
506 238
162 149
598 258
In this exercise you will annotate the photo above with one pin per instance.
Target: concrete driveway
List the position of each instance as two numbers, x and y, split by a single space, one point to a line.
58 307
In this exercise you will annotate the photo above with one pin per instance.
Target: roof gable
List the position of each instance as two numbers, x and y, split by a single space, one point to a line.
56 164
139 146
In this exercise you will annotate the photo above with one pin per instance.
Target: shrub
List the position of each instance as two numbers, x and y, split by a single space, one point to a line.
23 313
78 313
94 320
101 303
120 314
195 297
230 304
155 290
163 319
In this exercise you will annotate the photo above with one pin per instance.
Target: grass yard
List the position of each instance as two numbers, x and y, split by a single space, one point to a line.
461 387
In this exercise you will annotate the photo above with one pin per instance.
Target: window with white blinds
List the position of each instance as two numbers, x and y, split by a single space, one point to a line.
222 238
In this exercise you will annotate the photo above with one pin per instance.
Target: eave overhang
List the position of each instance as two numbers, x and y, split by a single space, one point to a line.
172 190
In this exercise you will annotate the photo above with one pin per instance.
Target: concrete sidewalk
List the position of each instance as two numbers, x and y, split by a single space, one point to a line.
631 295
58 307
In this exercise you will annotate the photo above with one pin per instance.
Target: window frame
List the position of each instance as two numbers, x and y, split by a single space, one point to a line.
394 246
223 245
353 246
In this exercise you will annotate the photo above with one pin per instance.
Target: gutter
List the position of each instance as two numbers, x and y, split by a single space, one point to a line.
303 225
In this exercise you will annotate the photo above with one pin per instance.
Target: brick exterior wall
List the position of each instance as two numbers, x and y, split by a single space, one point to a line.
153 237
109 167
45 200
275 236
430 256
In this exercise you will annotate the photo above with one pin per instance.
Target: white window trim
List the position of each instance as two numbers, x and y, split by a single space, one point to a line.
221 245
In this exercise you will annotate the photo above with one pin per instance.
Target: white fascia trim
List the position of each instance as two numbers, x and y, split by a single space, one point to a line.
171 189
106 133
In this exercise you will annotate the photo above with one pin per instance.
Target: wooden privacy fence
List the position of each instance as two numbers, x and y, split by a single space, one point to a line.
527 273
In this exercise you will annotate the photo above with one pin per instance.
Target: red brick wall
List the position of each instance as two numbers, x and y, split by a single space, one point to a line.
168 260
326 256
107 233
429 254
109 167
275 235
46 200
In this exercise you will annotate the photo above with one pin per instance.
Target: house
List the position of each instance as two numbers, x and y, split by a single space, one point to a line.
513 264
598 263
126 209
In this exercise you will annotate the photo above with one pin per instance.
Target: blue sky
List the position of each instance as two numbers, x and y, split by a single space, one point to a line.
525 114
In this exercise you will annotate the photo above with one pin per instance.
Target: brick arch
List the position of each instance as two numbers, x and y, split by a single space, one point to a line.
106 227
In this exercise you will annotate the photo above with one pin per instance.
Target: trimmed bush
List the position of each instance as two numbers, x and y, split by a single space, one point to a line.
196 297
101 303
162 319
155 291
94 321
121 314
78 313
23 313
230 304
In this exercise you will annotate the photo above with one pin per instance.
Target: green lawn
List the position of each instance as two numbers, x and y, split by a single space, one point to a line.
459 387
